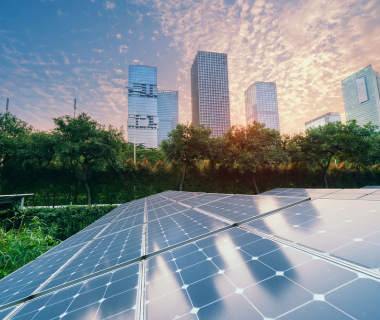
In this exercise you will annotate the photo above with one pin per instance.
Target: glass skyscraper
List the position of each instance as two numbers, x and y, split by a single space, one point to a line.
167 107
261 104
322 120
142 100
210 99
361 96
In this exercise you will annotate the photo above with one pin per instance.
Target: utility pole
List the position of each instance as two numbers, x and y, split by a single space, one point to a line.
6 108
75 106
134 135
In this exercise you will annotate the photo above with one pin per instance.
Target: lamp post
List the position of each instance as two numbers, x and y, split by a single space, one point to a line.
6 108
75 106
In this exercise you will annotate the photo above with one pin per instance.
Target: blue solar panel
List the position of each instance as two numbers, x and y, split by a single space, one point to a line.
102 253
111 296
203 273
348 230
237 275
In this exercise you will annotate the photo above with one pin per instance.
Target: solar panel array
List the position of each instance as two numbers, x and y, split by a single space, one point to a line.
183 255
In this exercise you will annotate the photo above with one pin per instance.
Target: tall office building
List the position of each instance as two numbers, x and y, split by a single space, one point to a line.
261 104
167 110
361 96
142 105
322 120
210 99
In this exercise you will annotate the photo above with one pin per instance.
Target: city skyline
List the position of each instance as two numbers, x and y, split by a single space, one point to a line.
54 51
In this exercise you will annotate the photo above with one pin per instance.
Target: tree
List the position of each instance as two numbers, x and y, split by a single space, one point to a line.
186 144
252 147
89 145
346 142
12 132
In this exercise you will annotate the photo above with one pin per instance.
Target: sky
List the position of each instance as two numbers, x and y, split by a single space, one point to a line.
52 51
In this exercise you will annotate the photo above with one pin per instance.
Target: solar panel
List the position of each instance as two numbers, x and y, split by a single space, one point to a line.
240 207
237 275
101 254
110 295
371 187
179 227
156 260
348 230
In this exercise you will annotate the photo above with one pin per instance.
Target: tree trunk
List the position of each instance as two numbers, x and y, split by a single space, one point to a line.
183 177
254 182
86 184
325 178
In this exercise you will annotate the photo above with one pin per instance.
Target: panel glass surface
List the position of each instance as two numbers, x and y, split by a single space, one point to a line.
239 275
111 296
299 192
122 224
164 211
240 207
179 227
348 230
183 195
102 253
203 199
27 279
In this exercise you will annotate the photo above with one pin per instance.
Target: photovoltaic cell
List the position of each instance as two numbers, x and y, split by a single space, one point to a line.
121 224
183 195
161 212
239 207
102 253
111 296
27 279
348 230
179 227
203 199
238 275
298 192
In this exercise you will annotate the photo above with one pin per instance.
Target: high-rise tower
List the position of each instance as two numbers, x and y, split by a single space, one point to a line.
142 105
209 92
167 110
261 104
361 96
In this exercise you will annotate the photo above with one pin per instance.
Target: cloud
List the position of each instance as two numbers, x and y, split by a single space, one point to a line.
118 71
73 31
61 14
123 49
307 47
98 50
109 5
118 36
158 55
130 31
85 30
65 58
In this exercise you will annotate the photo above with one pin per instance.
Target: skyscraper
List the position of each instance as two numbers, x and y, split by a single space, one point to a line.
261 104
361 96
322 120
167 110
210 99
142 99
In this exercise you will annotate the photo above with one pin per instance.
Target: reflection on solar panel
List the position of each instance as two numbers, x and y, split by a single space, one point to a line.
155 258
349 230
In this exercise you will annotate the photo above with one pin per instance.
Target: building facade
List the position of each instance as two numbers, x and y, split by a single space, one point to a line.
167 110
210 99
261 104
142 105
322 120
361 96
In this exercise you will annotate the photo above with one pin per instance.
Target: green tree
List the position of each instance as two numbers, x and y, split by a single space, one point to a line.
346 142
186 144
252 147
88 145
12 133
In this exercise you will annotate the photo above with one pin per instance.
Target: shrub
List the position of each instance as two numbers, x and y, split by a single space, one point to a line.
22 245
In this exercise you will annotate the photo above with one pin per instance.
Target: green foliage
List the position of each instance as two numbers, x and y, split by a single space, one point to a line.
22 245
336 140
186 144
67 220
252 147
12 132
